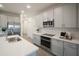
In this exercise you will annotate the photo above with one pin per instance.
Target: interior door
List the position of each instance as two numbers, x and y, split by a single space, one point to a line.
28 28
25 24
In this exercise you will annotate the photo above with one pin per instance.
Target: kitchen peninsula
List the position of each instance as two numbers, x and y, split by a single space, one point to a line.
19 48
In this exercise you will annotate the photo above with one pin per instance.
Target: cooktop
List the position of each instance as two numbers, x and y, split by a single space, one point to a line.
49 34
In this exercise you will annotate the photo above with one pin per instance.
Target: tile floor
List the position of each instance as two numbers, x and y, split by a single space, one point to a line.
41 52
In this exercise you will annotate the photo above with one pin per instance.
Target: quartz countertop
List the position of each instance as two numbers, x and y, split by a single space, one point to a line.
74 40
20 48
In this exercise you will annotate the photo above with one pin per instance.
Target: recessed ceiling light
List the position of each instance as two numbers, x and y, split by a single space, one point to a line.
1 5
28 6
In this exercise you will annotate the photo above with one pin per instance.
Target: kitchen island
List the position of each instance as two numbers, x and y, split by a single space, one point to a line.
18 48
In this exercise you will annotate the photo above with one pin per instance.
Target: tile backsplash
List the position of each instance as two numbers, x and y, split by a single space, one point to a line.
74 32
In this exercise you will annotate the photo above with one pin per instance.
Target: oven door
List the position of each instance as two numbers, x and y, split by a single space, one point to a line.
46 42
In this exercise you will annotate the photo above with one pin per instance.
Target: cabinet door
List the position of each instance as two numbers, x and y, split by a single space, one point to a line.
70 49
36 39
58 16
57 47
50 14
69 12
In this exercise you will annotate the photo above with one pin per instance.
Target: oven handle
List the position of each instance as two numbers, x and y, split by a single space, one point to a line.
46 40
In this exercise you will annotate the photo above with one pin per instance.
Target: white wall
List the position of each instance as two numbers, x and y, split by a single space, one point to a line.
28 26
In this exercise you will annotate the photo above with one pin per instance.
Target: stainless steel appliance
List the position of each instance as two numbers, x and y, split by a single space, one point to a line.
46 42
13 28
63 34
49 34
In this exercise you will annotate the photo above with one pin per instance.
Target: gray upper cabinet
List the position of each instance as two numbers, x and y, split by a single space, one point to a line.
70 49
65 16
58 16
50 14
57 47
69 14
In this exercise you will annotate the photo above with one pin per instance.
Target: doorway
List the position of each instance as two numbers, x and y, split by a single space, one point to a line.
28 29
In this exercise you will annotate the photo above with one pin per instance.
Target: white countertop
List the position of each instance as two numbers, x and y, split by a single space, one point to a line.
74 40
19 48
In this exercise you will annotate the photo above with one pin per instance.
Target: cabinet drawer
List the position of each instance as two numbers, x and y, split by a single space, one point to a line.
71 45
70 51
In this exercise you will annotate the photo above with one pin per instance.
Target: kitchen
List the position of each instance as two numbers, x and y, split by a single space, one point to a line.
53 28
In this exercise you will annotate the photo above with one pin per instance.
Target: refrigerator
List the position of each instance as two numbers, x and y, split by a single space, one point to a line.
13 28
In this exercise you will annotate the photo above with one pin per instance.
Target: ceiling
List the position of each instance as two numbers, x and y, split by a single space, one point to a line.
17 7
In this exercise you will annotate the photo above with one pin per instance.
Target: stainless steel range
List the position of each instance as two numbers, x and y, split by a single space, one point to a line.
48 34
46 41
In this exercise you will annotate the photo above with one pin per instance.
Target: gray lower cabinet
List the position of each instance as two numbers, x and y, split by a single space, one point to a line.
57 47
70 49
36 39
60 48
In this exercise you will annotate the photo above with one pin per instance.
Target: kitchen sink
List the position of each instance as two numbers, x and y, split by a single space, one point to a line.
13 39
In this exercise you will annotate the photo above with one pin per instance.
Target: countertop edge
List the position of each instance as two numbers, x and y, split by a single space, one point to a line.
75 41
